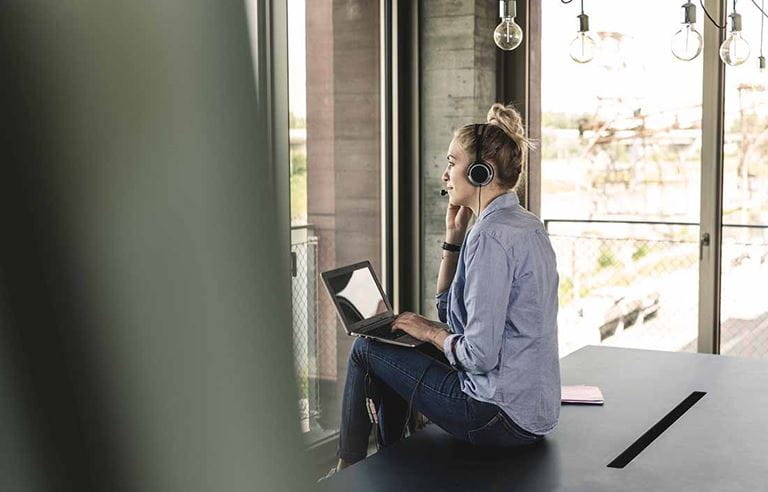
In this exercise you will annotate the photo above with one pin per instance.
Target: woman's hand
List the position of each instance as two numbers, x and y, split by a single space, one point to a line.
417 326
456 223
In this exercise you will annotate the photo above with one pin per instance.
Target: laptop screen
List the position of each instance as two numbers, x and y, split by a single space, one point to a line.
357 295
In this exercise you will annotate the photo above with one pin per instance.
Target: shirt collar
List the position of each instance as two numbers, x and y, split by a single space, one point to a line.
506 200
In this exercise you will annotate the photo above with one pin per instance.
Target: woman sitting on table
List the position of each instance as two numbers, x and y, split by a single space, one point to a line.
494 378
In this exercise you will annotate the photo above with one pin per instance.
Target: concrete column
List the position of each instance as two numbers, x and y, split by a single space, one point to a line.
458 70
343 161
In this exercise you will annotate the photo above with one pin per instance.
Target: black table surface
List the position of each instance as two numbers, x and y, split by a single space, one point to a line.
720 443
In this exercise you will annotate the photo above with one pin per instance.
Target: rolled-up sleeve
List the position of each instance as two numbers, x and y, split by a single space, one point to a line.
486 297
441 303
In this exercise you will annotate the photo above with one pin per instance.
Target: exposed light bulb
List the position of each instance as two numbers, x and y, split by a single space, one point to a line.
687 42
735 49
582 48
508 35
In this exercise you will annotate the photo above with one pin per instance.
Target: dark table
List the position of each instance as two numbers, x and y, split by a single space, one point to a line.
720 443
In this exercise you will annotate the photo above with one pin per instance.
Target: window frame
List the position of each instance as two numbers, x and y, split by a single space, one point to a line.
322 453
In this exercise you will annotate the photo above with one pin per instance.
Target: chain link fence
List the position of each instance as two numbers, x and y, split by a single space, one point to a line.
626 284
744 305
315 331
636 285
304 294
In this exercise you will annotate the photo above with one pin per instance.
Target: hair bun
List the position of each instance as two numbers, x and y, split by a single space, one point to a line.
508 119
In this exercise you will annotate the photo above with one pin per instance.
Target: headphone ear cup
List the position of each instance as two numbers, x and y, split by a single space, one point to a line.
480 174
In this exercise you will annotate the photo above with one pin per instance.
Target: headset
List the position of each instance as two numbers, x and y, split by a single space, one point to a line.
479 172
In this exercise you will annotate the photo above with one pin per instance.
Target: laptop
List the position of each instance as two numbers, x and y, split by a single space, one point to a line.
362 306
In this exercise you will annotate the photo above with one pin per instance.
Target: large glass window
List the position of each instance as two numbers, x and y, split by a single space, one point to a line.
334 98
744 304
621 144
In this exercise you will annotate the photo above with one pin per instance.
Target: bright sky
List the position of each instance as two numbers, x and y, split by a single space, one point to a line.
297 55
654 77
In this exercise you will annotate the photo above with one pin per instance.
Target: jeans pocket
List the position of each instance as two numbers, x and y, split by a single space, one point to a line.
500 432
520 434
493 433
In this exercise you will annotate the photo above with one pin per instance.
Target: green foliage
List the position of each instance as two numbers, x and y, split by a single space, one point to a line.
296 121
303 386
298 163
606 258
641 251
748 123
554 148
620 152
298 187
565 291
569 121
298 198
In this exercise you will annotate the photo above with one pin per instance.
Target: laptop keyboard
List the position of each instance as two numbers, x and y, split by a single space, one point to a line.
385 331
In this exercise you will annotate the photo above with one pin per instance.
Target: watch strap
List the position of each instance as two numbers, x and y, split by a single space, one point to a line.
452 247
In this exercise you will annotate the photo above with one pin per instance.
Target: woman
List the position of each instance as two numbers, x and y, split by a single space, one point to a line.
494 379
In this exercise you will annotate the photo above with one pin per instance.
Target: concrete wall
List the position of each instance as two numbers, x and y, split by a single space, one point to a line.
458 77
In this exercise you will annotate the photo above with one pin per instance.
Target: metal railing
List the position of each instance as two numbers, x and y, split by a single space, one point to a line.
635 283
304 296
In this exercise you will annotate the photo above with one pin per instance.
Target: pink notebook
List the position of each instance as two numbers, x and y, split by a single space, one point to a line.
587 395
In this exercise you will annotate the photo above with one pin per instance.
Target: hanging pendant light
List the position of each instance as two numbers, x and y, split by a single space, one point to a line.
582 48
687 42
735 49
508 35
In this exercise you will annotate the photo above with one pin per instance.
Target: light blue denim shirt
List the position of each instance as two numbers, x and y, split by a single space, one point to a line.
502 310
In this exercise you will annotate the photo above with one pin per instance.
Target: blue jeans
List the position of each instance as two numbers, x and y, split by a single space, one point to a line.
394 373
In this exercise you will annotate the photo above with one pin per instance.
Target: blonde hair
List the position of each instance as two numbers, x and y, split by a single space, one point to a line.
504 143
